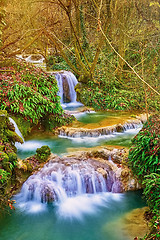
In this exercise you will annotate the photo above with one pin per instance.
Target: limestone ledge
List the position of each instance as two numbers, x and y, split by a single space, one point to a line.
111 163
96 132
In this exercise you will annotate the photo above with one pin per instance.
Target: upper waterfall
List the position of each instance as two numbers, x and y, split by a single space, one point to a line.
66 83
16 128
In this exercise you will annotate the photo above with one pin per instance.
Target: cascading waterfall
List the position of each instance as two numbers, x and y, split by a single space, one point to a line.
68 185
66 83
98 133
16 128
56 182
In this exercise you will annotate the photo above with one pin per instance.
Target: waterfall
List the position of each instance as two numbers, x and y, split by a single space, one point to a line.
16 128
66 83
98 133
73 186
57 182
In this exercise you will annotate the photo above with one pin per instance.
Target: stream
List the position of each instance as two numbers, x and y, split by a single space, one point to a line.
81 211
80 217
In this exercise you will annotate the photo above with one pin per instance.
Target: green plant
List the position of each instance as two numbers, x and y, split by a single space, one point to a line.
144 158
144 155
3 176
43 153
32 94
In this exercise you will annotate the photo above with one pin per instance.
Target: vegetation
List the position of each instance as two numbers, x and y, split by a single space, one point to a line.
29 93
113 48
144 160
43 153
8 158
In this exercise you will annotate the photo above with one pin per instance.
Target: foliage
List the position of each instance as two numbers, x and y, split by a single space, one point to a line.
144 155
43 153
30 93
2 16
152 194
3 175
111 88
144 158
8 158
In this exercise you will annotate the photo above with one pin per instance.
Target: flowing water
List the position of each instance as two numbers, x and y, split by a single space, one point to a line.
83 208
70 200
81 218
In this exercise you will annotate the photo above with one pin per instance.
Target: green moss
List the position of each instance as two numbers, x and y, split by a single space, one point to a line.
4 157
12 157
13 137
25 127
3 120
43 153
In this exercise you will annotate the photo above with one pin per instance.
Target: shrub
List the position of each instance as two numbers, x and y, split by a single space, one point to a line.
30 93
144 158
43 153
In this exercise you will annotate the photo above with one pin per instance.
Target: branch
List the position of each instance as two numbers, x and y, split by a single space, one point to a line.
100 27
61 51
27 45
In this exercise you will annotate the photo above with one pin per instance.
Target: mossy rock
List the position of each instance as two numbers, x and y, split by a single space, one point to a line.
1 148
84 78
12 157
43 153
27 166
13 136
4 157
5 162
25 127
3 120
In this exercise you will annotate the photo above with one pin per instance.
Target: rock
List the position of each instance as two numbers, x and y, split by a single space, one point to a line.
66 90
119 128
10 126
117 187
129 226
102 172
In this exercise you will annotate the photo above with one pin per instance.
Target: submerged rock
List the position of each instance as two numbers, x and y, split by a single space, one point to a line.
129 226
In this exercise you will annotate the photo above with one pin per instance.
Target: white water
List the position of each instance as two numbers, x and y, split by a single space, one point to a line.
95 137
65 77
16 130
75 190
29 58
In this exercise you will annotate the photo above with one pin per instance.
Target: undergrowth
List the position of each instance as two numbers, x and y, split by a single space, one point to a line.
144 159
28 92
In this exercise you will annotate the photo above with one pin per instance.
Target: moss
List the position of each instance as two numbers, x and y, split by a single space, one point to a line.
3 120
25 127
43 153
13 137
12 157
1 148
4 157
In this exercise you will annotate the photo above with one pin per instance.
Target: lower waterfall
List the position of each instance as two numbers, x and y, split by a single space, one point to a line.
75 188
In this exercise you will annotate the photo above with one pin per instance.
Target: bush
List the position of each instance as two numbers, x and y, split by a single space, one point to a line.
144 158
43 153
30 93
144 155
